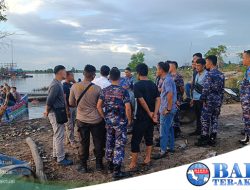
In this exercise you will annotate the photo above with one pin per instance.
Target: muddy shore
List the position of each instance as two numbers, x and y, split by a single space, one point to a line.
12 143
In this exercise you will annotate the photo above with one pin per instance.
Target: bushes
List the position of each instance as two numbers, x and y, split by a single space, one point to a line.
232 83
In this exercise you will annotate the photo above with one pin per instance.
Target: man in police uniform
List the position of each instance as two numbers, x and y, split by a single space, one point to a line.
179 82
212 97
245 97
116 103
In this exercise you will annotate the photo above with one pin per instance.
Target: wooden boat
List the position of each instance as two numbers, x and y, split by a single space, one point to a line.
17 111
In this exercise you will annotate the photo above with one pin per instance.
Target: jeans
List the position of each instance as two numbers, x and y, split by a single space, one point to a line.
58 137
188 90
132 99
98 135
167 131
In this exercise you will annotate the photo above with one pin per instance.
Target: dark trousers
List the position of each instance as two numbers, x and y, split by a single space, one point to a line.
98 134
142 129
198 105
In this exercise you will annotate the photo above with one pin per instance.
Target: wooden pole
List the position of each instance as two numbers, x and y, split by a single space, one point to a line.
38 161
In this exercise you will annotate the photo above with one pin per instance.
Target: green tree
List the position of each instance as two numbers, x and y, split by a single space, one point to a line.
136 59
73 70
240 55
219 51
3 18
49 70
2 11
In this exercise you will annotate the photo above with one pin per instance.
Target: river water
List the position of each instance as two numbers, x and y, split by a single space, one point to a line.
38 81
29 84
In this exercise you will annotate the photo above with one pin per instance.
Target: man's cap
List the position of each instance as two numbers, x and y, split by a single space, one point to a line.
58 68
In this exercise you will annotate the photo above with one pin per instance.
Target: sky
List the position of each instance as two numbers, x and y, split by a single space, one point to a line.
79 32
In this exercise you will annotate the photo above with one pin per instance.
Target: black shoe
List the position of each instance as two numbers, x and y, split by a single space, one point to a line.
66 156
171 152
110 167
245 141
99 165
177 132
212 139
157 142
159 156
243 132
196 133
83 168
203 141
66 162
118 174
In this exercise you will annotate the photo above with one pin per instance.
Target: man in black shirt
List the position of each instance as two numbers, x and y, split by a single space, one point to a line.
148 100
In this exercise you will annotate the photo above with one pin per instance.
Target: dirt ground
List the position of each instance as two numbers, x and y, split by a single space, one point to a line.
12 143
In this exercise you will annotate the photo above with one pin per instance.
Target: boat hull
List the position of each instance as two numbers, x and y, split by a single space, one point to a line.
17 111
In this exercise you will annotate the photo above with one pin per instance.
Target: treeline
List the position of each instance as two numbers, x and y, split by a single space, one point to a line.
50 70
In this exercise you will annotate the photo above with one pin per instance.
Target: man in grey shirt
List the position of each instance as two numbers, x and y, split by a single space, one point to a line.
55 100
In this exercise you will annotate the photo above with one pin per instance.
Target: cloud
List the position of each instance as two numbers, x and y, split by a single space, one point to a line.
97 31
214 32
130 49
114 47
70 23
100 32
23 6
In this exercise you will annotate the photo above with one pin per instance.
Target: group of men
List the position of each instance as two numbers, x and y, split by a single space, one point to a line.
106 106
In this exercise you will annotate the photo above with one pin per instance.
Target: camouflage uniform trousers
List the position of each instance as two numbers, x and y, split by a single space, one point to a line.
245 103
70 127
176 121
115 143
209 119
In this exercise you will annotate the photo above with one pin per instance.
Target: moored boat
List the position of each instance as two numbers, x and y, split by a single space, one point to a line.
17 111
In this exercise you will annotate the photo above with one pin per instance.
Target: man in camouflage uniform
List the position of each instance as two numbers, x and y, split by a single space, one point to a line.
245 97
212 96
116 103
127 83
179 82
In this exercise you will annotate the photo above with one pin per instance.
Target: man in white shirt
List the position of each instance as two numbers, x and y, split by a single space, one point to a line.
103 81
197 91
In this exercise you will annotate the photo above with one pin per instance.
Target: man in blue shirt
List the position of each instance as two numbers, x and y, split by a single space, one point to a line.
127 83
167 110
197 91
245 97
